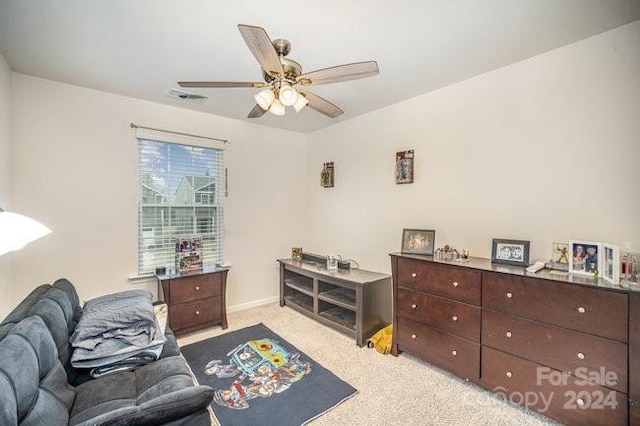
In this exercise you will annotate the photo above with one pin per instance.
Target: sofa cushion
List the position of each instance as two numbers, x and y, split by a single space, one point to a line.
22 310
153 394
33 384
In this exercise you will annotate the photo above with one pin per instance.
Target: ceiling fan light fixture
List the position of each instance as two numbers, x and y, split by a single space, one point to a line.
287 95
265 98
301 102
277 108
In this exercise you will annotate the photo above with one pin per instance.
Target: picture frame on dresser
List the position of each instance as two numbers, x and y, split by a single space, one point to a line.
585 257
611 263
510 252
418 241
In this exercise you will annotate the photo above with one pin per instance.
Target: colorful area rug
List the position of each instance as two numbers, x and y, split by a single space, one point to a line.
261 379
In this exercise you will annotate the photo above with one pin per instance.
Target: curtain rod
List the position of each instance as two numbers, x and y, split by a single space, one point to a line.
135 126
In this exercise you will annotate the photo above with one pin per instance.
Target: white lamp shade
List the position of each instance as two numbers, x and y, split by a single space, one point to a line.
264 98
301 102
16 231
287 95
277 108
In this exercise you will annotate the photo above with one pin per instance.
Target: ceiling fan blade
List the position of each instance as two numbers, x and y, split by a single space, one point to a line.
220 84
322 105
339 73
256 112
260 45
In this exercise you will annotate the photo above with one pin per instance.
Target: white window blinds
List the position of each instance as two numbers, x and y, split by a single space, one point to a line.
181 192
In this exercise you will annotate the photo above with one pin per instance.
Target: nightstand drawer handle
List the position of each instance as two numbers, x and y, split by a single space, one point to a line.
454 318
509 374
580 401
197 288
414 275
413 336
454 353
582 310
197 312
455 283
509 295
508 334
580 355
413 306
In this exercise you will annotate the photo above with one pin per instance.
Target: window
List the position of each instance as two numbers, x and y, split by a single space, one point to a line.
180 195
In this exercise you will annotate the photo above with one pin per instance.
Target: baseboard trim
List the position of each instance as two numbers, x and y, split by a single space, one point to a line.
253 304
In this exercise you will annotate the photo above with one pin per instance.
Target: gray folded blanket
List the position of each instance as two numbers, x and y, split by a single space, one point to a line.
114 327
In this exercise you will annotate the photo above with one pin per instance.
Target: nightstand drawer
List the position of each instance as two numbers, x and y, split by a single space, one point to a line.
455 283
585 309
454 317
584 355
190 314
194 288
460 356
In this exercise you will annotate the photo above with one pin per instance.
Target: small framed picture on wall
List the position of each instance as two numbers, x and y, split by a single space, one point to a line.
585 257
404 167
326 175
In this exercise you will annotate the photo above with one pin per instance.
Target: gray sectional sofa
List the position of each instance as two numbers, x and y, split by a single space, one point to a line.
38 385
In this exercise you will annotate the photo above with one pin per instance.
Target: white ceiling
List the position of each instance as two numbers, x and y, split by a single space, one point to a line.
141 48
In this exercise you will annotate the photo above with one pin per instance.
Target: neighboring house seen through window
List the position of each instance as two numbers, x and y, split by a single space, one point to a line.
179 196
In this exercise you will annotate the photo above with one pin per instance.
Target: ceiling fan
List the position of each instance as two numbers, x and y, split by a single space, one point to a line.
281 74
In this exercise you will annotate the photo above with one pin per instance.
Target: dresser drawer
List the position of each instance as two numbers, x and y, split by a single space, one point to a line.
452 282
191 314
194 287
452 353
590 310
583 355
457 318
551 393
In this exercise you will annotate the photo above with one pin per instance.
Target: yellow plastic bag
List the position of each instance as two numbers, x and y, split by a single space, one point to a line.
381 340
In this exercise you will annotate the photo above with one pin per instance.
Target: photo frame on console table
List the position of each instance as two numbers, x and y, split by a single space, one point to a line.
510 252
585 257
418 241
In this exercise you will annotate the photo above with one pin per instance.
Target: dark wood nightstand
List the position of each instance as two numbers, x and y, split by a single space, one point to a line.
196 300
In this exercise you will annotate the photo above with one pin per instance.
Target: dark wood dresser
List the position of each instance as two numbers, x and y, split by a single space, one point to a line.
195 300
565 346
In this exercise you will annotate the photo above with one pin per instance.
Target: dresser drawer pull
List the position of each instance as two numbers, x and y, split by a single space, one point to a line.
197 288
413 336
580 355
582 310
413 275
509 374
454 318
509 295
580 401
508 334
455 283
413 306
197 312
454 353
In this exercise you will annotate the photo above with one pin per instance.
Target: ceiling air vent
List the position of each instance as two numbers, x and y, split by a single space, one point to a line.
187 97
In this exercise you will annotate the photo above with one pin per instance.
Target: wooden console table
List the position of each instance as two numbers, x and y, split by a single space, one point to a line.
353 301
195 300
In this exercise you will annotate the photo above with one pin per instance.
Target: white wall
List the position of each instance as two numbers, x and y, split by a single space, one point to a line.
5 175
75 169
544 150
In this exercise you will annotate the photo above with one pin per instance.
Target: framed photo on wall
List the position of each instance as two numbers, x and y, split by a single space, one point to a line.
585 257
326 175
404 167
611 263
510 252
418 241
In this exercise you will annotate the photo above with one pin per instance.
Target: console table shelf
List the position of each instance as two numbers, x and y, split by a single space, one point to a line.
354 302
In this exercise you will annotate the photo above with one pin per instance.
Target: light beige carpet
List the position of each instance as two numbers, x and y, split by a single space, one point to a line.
391 390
